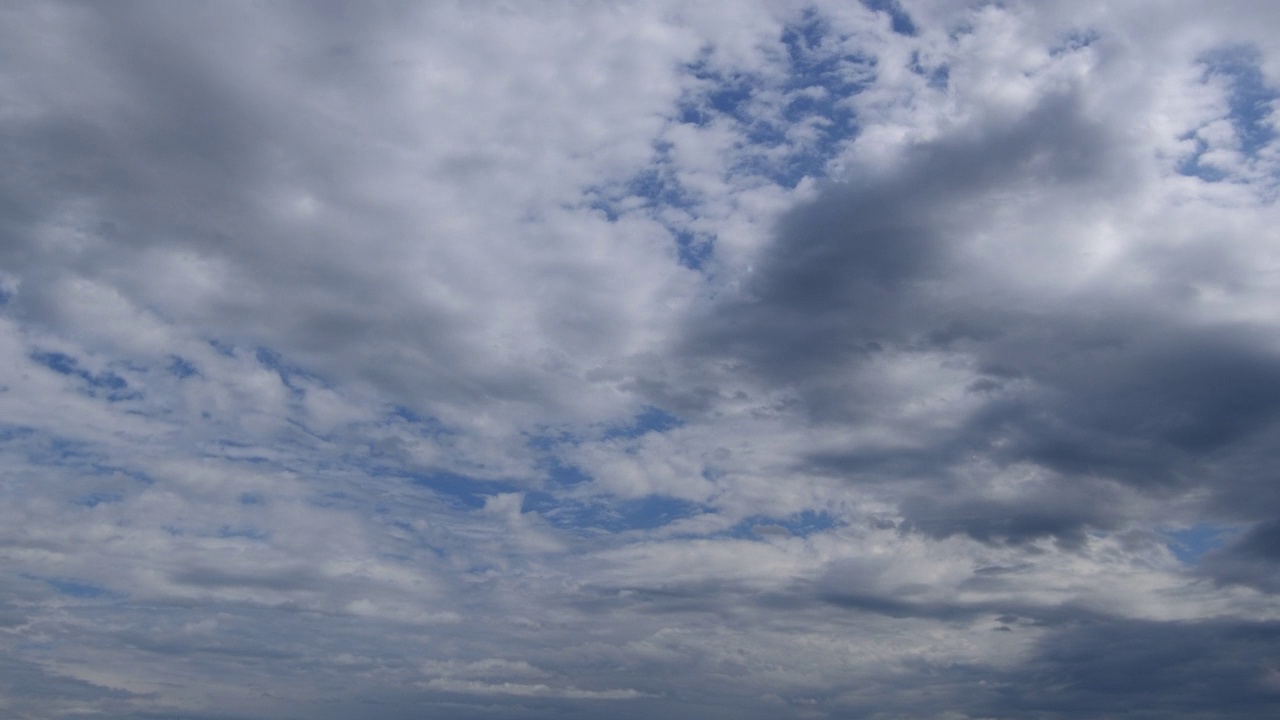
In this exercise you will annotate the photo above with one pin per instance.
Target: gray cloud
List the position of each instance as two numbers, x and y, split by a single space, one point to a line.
1105 384
1207 669
1252 560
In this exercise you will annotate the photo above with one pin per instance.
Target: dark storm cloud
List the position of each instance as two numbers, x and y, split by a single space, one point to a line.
1261 542
1252 560
165 141
870 262
1159 669
1061 510
1101 386
32 691
1105 668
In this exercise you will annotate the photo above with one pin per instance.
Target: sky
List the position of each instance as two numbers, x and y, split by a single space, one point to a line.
906 359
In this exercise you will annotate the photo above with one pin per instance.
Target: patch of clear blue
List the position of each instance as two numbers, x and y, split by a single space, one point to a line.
273 361
5 296
15 432
820 77
651 512
1193 168
104 469
107 381
546 442
223 348
651 419
460 490
822 72
660 188
249 533
58 362
181 368
802 524
1249 103
1191 544
250 499
1251 97
330 499
1074 40
64 450
557 473
77 589
938 77
612 514
695 249
900 21
230 445
98 498
427 425
543 502
562 475
828 77
731 95
42 449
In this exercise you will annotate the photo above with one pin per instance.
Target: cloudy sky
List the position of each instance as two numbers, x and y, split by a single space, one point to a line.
539 360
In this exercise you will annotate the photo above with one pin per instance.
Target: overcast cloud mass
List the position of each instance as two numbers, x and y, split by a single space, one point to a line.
387 361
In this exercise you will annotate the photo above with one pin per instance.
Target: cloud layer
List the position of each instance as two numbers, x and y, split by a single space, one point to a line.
896 359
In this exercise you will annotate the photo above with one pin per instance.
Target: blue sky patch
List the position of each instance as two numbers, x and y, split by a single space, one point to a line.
15 432
611 514
900 21
938 77
463 491
116 387
651 419
59 363
562 475
95 499
782 144
695 249
1075 40
181 368
802 524
249 533
223 348
1191 544
76 588
273 361
426 426
1250 102
1250 97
